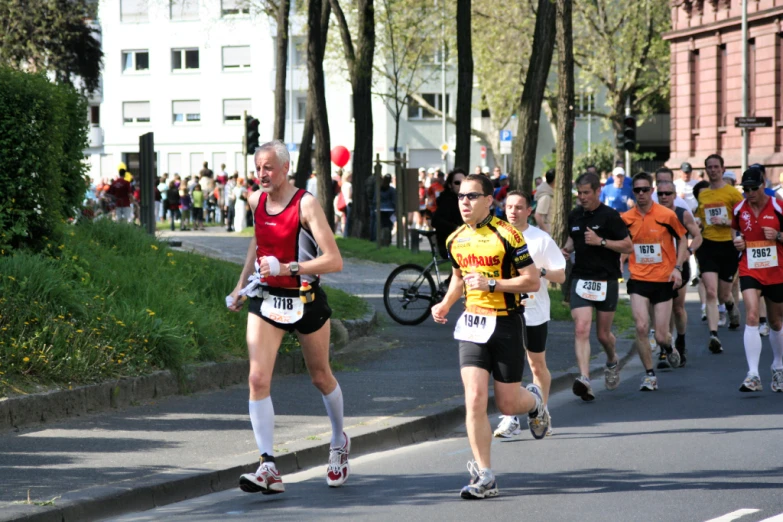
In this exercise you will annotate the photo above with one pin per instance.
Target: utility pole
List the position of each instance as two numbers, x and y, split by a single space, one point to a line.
627 152
443 81
745 100
244 141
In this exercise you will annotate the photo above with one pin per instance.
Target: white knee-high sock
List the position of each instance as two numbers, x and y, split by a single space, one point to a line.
752 348
776 340
334 409
262 417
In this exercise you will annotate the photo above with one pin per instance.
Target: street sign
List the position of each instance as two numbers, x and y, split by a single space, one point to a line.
753 122
505 141
444 148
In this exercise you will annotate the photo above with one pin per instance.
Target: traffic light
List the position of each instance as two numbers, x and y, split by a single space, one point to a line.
629 133
251 132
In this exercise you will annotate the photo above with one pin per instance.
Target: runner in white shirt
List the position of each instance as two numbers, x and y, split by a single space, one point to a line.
684 187
551 265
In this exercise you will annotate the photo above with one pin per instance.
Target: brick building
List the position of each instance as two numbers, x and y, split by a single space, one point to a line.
706 81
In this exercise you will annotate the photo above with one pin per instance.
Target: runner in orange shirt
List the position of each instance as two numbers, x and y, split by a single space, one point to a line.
656 270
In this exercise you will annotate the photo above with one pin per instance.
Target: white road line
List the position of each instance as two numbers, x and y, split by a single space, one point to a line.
734 515
776 518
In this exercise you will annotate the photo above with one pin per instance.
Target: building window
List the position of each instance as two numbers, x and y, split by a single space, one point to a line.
95 115
136 112
184 59
236 58
232 110
134 11
585 102
186 111
723 83
135 61
234 7
183 9
300 107
417 112
297 55
694 70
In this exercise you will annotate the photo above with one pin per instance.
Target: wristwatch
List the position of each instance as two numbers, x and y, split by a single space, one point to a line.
543 272
491 283
603 242
777 238
293 267
678 267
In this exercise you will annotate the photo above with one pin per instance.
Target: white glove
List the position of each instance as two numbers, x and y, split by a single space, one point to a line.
274 265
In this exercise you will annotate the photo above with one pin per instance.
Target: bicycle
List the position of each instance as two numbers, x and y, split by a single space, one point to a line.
410 290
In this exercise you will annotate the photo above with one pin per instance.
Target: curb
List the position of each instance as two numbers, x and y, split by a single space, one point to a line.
385 433
39 408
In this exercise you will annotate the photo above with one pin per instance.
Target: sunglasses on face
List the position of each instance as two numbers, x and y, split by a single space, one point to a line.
751 189
660 193
472 196
639 190
457 183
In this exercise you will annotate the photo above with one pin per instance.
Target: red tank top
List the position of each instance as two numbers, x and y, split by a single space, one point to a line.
282 236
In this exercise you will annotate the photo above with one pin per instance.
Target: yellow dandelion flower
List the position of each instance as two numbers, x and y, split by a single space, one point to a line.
170 254
79 331
26 359
153 247
191 302
173 262
61 247
12 278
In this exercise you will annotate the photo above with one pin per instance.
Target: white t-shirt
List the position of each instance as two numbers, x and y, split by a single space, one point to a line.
686 189
545 254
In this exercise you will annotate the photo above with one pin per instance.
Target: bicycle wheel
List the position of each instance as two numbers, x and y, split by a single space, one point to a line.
409 294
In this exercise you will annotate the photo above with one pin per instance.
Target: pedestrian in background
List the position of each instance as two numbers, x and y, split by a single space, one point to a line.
185 204
447 216
198 207
172 200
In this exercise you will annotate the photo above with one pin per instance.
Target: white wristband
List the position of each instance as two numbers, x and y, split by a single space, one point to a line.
274 265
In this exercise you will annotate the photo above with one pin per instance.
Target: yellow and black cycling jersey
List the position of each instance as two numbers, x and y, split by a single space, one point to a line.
494 249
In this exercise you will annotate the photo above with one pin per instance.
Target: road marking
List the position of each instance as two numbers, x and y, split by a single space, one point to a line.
734 515
776 518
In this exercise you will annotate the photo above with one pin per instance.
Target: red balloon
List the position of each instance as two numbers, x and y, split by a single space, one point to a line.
340 156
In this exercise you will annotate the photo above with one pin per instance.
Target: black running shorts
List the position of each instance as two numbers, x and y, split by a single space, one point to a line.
315 314
503 356
720 257
536 337
772 292
655 292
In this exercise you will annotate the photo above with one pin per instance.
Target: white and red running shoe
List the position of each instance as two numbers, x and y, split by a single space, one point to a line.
266 480
339 468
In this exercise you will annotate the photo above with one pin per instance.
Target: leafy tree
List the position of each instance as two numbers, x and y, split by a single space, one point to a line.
52 36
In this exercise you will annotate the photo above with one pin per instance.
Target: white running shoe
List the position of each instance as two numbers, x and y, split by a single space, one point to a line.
582 388
508 427
339 468
265 480
649 383
734 317
721 319
482 485
777 380
538 419
549 430
752 383
764 329
703 312
612 376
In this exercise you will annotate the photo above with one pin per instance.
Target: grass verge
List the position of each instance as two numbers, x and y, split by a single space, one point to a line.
561 311
367 250
109 301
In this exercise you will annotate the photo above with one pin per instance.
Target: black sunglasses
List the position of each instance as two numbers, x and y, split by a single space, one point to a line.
457 183
472 196
665 193
639 190
751 189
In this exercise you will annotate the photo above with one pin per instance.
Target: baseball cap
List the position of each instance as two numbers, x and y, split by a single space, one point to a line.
686 167
430 170
752 177
485 170
618 171
503 176
758 166
422 169
729 174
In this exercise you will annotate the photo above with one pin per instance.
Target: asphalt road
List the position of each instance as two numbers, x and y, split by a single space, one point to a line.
695 450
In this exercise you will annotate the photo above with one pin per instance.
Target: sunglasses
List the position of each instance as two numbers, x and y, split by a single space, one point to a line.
665 193
639 190
472 196
751 189
457 183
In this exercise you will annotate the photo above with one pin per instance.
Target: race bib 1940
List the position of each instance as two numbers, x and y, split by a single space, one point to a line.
762 254
648 254
283 310
591 290
475 326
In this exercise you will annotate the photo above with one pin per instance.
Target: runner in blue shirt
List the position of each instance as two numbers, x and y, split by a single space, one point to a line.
618 195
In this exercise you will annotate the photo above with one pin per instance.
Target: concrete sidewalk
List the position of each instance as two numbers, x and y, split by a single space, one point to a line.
403 389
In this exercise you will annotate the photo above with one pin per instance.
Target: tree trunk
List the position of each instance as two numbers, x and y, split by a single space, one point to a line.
529 113
359 59
565 122
464 85
281 92
317 99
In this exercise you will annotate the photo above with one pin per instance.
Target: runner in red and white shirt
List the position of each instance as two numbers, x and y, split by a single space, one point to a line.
757 222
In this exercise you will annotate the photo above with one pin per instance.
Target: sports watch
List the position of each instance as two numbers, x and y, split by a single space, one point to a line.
603 242
293 267
543 272
491 283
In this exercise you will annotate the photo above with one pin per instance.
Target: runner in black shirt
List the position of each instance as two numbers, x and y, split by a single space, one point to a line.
598 235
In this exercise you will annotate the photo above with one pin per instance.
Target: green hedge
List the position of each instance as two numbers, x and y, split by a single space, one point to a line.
43 130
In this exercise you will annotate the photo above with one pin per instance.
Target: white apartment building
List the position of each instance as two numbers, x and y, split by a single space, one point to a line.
187 69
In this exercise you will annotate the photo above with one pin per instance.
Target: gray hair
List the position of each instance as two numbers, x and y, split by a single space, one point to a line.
667 182
276 146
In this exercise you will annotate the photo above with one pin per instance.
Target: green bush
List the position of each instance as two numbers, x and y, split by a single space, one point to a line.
42 133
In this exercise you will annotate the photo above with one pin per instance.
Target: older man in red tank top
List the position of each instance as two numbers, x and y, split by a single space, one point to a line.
282 259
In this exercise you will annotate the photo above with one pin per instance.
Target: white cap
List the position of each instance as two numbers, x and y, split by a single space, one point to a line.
431 170
485 170
618 171
730 175
422 169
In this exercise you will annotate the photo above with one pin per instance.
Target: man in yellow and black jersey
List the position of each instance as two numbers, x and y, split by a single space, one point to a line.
492 267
